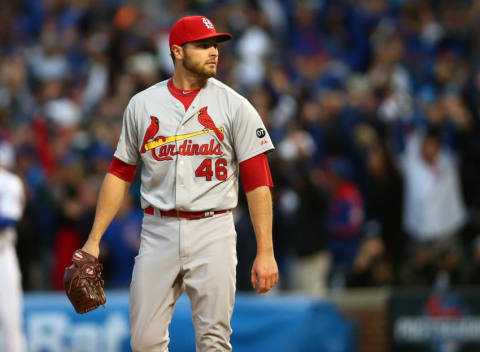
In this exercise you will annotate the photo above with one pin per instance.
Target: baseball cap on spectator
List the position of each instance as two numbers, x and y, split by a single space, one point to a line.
193 28
64 112
341 167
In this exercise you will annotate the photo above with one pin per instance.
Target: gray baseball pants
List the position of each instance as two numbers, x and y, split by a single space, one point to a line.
176 254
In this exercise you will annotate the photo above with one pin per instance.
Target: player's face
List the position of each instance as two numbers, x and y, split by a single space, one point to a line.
201 58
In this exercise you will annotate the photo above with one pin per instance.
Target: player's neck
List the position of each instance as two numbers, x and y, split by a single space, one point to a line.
185 81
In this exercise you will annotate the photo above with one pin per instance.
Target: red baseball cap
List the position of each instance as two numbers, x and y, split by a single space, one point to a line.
193 28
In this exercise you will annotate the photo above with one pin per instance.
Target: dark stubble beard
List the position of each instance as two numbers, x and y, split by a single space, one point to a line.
200 71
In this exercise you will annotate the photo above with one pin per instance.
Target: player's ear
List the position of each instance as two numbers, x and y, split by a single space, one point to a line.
177 52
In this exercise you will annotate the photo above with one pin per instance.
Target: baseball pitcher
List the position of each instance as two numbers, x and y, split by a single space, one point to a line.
194 137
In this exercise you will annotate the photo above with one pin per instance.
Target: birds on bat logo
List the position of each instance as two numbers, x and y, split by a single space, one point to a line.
206 121
162 148
150 132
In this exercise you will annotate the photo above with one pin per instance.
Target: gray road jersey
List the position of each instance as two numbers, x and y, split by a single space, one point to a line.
190 158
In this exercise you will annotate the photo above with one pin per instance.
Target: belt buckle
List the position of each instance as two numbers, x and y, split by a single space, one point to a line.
209 214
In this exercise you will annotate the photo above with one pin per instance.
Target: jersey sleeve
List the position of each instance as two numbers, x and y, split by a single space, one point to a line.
249 133
255 172
127 147
12 200
122 170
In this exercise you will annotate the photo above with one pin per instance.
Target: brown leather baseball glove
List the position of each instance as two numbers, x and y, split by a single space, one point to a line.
83 282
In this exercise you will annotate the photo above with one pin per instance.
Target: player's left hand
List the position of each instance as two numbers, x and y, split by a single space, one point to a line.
264 273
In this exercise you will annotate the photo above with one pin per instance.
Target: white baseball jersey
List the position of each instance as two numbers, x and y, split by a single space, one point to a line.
190 158
12 202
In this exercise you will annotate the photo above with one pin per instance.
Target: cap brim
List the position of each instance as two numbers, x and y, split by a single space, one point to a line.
219 37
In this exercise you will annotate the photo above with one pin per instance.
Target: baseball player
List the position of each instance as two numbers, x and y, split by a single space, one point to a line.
11 210
194 136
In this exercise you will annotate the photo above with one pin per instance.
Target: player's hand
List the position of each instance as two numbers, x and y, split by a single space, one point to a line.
92 247
264 273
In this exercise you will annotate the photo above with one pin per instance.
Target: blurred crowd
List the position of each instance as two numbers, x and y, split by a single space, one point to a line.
373 106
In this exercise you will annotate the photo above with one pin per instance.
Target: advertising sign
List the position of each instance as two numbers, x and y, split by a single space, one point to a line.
260 323
446 321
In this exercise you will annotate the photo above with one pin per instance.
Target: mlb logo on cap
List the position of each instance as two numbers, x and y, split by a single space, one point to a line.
193 28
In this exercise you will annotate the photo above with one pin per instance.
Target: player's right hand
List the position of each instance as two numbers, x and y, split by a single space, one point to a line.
92 247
